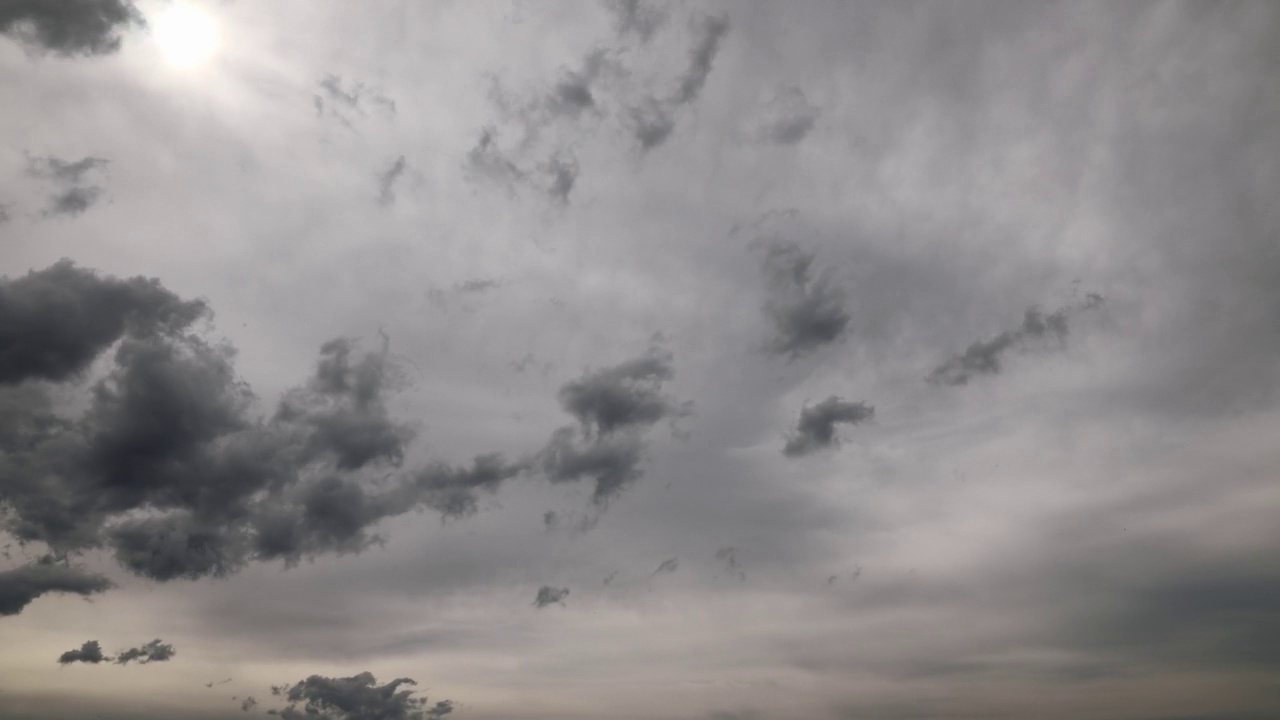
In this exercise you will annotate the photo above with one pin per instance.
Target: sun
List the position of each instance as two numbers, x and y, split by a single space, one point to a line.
187 35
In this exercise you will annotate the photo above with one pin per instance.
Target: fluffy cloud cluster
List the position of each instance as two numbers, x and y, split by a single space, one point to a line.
358 697
91 653
170 469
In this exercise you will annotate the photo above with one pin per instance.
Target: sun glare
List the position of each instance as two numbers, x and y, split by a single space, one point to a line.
187 35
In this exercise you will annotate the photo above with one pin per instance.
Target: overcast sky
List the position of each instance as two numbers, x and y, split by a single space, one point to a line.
638 360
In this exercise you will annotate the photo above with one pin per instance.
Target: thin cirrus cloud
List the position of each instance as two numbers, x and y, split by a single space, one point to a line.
533 141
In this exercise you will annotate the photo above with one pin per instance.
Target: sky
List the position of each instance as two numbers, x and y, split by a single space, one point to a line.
639 360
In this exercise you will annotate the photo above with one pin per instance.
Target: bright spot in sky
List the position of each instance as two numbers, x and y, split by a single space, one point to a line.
187 35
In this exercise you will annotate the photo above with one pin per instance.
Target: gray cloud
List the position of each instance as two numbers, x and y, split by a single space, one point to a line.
358 697
653 120
63 171
167 467
984 357
387 180
729 556
625 395
548 595
573 95
76 195
478 285
248 704
614 407
787 118
564 175
452 490
806 308
90 652
154 651
816 429
669 565
638 18
69 27
344 100
74 201
170 470
709 32
488 160
652 123
20 585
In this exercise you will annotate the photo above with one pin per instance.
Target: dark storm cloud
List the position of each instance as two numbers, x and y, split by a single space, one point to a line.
984 357
548 595
154 651
357 698
171 470
787 118
550 520
816 429
90 652
54 322
638 18
69 27
21 585
387 180
806 308
168 468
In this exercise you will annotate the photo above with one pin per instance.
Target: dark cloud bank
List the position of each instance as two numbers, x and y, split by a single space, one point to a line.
170 470
69 27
